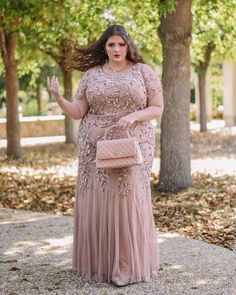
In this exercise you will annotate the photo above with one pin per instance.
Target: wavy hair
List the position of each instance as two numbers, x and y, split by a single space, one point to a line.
84 58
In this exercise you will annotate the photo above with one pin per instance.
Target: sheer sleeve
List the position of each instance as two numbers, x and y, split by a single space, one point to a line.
153 86
79 105
80 93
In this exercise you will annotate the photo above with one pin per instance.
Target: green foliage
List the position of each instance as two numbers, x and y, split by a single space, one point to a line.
19 14
166 7
30 69
213 23
86 21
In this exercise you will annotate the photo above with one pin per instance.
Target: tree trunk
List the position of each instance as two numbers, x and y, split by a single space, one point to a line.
39 97
69 122
202 96
8 44
175 34
201 70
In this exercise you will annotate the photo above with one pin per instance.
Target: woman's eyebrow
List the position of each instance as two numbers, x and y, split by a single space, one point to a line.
121 42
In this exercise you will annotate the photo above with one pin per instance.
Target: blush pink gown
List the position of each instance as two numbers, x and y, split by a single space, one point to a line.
114 231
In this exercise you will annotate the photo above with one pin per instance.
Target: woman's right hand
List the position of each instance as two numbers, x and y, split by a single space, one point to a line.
53 86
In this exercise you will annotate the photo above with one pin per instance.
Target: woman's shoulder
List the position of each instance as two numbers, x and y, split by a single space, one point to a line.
144 67
86 74
94 69
148 72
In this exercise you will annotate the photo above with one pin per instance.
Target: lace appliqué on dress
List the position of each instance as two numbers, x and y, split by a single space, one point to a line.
123 180
109 98
87 156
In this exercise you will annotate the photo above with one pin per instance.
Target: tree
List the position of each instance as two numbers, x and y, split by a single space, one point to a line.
8 48
16 17
175 34
8 43
214 35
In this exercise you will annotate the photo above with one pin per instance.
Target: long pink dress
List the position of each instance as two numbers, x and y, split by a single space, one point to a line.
114 231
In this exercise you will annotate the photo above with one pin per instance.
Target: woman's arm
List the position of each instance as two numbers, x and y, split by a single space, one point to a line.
79 106
74 109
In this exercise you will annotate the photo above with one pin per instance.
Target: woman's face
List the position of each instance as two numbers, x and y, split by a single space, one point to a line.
116 49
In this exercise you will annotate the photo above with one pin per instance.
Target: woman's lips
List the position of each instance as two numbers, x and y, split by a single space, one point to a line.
117 55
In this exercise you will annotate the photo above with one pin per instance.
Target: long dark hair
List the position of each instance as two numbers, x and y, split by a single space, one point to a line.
84 58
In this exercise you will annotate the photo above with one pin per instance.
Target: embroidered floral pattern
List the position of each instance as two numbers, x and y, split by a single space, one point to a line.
110 97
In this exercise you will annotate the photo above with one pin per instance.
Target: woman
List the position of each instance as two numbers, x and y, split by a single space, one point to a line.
114 232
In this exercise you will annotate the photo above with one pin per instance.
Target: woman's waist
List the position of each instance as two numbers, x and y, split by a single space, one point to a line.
107 115
95 125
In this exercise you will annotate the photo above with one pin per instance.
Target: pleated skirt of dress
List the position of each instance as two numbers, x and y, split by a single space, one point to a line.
114 236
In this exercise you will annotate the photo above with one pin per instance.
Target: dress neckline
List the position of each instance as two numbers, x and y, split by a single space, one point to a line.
117 73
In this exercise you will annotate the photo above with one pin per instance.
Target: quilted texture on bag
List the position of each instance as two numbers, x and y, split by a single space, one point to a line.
116 161
117 148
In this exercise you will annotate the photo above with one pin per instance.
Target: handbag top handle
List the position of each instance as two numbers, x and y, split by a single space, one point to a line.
114 125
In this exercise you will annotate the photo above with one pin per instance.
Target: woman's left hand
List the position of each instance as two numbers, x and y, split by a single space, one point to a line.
125 122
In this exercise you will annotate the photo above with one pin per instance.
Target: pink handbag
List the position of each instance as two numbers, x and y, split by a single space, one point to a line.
118 153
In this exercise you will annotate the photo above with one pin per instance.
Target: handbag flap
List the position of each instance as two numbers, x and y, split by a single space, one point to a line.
116 148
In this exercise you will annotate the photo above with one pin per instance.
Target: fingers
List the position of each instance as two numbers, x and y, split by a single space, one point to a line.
53 86
53 82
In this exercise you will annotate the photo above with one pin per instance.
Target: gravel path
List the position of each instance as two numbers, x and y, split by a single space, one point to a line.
35 258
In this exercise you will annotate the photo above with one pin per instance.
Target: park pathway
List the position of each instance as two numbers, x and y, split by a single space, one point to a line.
35 258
